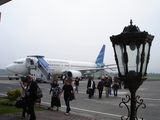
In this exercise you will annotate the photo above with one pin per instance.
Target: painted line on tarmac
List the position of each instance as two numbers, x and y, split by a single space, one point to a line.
91 111
151 99
119 92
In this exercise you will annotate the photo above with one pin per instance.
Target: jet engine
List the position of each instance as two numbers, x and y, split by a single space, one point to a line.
74 74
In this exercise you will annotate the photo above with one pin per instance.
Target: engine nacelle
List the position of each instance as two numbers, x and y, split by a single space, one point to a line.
74 74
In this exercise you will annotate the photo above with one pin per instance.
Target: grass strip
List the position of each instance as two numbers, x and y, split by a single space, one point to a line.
7 109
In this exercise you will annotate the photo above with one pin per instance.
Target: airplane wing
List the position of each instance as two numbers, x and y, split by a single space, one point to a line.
92 69
79 72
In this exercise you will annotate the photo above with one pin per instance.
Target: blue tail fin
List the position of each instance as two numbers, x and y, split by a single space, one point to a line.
100 57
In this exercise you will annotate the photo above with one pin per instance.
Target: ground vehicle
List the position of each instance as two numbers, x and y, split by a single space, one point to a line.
15 77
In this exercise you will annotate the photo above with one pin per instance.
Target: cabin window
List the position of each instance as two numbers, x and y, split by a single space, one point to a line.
18 62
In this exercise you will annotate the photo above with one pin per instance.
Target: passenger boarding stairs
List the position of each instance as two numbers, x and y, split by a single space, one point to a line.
38 67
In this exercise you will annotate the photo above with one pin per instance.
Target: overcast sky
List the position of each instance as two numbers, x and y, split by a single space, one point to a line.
73 29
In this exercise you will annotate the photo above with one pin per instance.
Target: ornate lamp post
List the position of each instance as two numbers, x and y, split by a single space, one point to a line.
4 1
132 53
1 3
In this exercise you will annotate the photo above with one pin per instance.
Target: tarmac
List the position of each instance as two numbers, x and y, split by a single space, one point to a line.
47 115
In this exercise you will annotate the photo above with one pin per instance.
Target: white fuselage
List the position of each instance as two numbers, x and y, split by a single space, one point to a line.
56 66
60 66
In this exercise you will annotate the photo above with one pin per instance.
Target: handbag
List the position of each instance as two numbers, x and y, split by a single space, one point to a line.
71 97
19 103
38 93
87 91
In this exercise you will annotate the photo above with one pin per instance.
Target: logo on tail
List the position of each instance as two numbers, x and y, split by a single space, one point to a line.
100 58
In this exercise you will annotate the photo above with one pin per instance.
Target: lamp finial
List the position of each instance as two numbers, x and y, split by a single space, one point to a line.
131 22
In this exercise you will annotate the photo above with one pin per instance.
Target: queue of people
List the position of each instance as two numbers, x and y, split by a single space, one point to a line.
30 86
106 83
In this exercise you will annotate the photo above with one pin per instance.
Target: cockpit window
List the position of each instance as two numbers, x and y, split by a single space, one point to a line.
18 62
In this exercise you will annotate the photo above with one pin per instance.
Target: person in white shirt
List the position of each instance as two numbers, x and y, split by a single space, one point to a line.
91 87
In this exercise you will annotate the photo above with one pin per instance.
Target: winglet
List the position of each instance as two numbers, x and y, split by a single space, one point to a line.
100 57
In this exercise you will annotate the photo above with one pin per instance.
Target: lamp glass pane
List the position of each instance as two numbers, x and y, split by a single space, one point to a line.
133 59
120 56
138 58
145 58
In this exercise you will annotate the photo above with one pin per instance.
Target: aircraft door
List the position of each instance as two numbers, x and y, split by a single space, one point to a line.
28 62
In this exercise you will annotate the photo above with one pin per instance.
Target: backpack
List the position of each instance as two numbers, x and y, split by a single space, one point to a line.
38 93
107 84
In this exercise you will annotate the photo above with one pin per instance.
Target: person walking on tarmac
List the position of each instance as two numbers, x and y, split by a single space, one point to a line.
100 88
115 87
91 87
55 90
107 85
76 84
68 89
23 84
30 92
110 90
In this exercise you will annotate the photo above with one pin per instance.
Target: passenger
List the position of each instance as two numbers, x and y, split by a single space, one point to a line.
63 78
76 84
68 89
25 108
115 87
49 76
110 90
30 90
73 84
107 85
34 77
70 80
55 100
100 87
103 78
119 82
91 87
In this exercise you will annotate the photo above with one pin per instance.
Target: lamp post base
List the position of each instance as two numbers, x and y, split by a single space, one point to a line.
135 101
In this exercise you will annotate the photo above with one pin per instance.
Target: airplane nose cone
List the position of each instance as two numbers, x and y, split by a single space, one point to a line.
10 67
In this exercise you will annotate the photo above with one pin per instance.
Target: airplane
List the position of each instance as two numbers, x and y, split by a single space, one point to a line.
44 68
